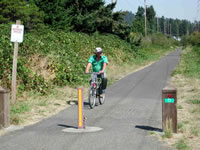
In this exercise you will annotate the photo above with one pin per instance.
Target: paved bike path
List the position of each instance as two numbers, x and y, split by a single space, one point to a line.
132 109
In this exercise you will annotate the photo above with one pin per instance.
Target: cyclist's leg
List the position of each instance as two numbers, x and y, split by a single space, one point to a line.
103 83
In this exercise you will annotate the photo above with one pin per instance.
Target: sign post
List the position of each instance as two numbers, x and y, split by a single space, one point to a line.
17 33
169 110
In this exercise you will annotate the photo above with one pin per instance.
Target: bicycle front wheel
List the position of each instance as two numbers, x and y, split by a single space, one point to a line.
92 98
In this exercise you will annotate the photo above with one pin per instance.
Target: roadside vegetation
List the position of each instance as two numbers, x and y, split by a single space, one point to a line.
51 66
59 38
186 78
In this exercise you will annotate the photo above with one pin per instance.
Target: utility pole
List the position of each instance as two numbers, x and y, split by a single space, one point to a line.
177 29
113 1
197 15
164 27
145 18
170 29
157 24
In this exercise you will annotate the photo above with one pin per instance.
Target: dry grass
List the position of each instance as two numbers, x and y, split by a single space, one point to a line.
188 98
189 115
40 65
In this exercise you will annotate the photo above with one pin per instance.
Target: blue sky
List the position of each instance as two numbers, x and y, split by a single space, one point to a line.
181 9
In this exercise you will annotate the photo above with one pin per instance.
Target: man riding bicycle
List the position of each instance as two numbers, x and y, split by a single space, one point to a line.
98 63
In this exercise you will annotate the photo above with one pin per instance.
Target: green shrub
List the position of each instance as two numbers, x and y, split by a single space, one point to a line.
195 39
66 55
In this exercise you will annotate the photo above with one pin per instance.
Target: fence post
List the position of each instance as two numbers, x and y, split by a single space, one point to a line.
169 109
4 108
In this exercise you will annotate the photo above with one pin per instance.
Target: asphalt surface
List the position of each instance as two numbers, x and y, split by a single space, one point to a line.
131 111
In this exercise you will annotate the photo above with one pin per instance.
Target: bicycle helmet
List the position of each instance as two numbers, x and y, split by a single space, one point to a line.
98 50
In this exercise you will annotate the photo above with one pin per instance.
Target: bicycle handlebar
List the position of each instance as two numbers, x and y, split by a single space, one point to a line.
93 73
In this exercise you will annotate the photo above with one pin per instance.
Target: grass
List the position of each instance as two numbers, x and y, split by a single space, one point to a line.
195 110
16 110
168 133
43 103
152 133
180 125
195 131
179 106
190 65
181 145
186 78
186 122
194 101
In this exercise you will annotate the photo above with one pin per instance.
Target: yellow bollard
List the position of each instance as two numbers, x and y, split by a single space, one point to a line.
81 123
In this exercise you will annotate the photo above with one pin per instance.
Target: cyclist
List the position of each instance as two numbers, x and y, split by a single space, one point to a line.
99 63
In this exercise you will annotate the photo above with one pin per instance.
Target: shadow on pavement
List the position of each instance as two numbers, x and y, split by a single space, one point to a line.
67 126
148 128
75 102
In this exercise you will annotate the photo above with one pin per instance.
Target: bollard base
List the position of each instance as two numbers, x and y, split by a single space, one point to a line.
86 129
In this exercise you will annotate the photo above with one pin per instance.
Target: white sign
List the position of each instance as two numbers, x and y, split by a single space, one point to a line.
17 33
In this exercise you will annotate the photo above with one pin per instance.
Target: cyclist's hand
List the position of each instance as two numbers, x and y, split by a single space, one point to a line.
100 72
86 72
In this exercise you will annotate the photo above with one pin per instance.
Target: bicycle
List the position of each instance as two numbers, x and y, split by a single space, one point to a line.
94 91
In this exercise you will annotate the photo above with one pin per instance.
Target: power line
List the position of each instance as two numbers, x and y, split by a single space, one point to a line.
141 2
197 15
198 10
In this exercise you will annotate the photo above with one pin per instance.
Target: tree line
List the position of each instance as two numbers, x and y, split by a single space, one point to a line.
174 27
68 15
89 17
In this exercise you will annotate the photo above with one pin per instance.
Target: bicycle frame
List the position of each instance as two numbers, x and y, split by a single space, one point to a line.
94 92
95 82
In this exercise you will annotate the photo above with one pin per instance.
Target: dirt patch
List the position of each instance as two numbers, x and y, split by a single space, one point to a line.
40 65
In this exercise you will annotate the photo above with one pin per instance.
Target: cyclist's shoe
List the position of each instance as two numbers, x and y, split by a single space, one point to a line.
102 95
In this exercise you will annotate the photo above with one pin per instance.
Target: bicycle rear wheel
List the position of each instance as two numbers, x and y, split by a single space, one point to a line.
92 98
102 99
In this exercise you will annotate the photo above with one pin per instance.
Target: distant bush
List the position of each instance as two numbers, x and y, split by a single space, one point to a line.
195 39
185 40
159 39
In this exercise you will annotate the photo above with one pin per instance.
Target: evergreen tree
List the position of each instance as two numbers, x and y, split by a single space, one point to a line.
151 19
138 22
183 29
56 15
27 12
162 24
129 16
